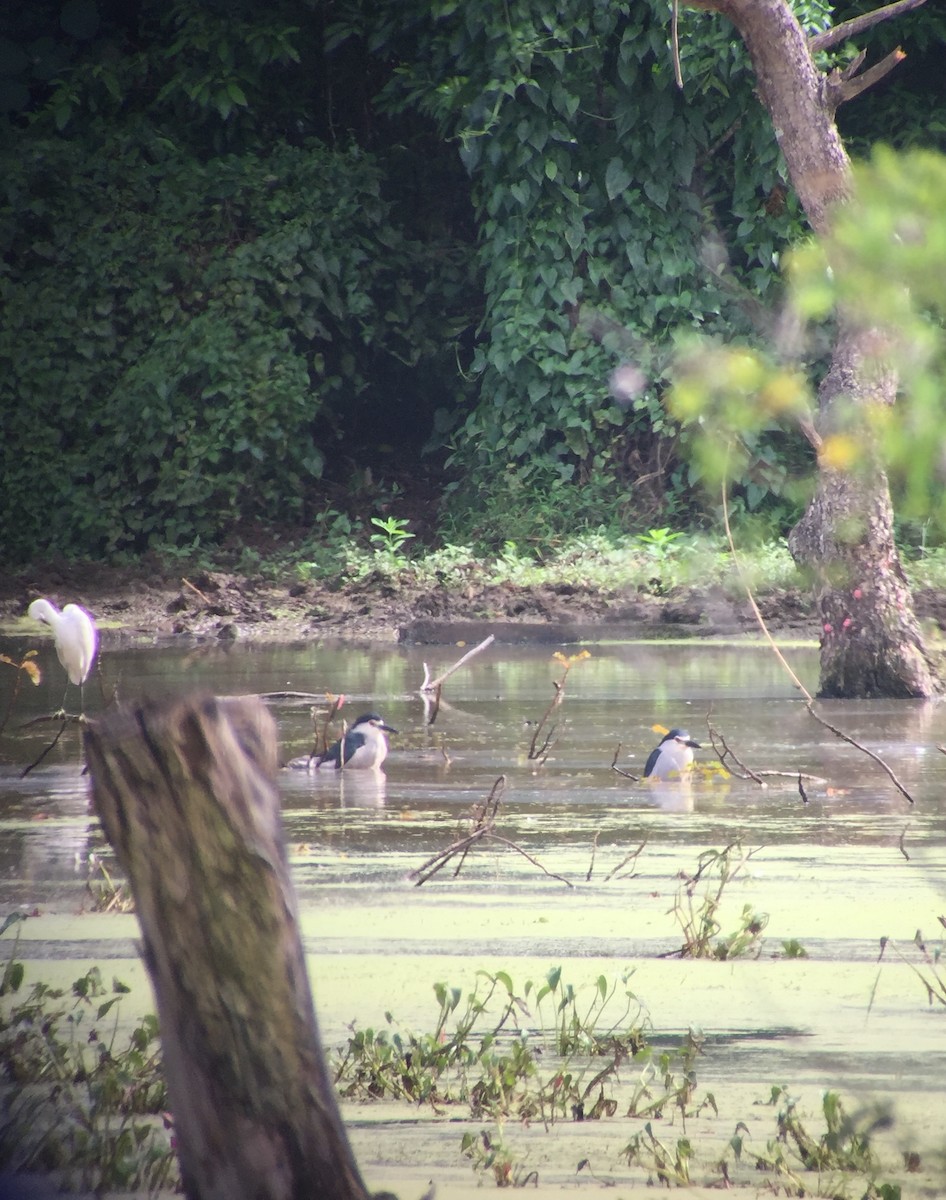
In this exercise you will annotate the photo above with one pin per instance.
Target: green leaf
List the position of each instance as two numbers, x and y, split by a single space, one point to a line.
617 178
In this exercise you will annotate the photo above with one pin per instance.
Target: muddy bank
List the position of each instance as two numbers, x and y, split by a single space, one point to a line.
135 603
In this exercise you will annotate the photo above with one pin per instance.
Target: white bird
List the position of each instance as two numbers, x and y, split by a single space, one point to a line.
672 758
75 636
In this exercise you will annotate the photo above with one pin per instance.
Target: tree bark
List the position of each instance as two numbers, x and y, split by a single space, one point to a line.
187 795
871 644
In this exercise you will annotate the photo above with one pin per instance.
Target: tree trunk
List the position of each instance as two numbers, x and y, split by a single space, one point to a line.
187 795
871 644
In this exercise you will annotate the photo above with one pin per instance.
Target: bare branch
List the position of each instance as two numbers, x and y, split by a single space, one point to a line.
841 86
431 685
64 719
723 752
620 770
591 865
857 746
196 590
850 29
631 856
675 43
484 826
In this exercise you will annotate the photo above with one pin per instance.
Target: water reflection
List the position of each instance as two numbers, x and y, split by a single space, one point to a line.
483 729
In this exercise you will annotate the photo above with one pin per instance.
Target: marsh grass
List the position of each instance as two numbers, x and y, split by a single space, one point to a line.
841 1157
81 1104
697 904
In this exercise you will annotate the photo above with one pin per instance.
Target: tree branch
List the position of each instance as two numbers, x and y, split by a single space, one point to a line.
841 86
849 29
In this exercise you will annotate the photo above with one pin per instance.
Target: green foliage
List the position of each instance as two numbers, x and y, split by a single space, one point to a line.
613 210
885 265
697 912
391 538
841 1158
85 1107
670 1165
479 1055
493 1155
176 331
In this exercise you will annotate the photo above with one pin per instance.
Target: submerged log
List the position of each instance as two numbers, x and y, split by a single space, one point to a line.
186 792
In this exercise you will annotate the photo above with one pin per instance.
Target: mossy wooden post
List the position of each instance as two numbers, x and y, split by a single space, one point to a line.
186 792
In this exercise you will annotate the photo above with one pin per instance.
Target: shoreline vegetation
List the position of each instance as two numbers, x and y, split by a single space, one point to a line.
667 584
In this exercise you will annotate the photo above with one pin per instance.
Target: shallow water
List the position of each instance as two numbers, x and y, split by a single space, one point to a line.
853 864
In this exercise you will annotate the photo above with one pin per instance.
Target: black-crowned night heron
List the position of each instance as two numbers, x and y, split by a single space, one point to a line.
75 636
363 746
672 758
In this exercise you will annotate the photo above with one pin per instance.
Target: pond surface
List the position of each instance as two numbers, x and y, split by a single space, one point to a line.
857 862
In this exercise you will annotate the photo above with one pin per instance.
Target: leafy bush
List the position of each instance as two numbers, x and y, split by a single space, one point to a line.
182 337
613 211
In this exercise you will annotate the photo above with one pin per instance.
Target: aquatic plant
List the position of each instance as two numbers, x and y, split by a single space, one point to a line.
670 1166
842 1152
667 1080
479 1052
539 753
107 894
488 1154
83 1107
697 914
930 973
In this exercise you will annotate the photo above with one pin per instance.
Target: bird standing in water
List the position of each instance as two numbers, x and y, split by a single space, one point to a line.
363 746
672 758
75 637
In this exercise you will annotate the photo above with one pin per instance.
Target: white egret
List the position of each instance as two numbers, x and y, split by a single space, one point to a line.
75 636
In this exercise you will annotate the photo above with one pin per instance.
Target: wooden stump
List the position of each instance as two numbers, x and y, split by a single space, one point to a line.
186 792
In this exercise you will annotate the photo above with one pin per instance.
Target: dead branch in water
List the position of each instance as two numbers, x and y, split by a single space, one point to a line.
64 719
432 685
863 749
541 753
430 690
631 857
723 751
483 829
620 770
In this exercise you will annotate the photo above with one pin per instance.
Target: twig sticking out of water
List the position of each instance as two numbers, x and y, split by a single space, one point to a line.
483 828
857 746
64 719
631 857
430 690
320 745
541 753
620 770
741 771
594 848
723 751
433 685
